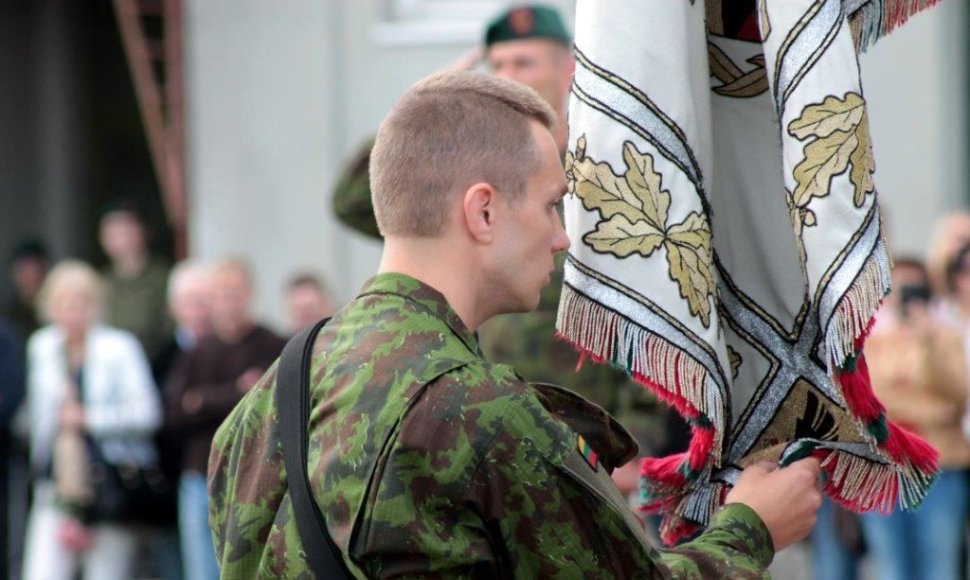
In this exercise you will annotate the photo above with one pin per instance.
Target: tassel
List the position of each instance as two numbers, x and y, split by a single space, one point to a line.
857 389
675 530
699 451
905 446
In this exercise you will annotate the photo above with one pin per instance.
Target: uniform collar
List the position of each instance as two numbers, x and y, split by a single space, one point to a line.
427 298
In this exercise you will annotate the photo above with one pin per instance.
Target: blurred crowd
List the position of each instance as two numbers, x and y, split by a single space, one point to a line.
113 384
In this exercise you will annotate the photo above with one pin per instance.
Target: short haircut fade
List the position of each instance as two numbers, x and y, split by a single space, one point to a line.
449 131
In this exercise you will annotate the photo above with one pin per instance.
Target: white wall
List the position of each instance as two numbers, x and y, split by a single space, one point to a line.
915 83
262 114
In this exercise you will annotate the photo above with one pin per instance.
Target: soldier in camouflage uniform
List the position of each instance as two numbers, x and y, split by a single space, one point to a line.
426 459
530 44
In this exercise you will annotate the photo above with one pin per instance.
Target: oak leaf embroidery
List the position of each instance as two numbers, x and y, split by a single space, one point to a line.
634 209
735 360
840 128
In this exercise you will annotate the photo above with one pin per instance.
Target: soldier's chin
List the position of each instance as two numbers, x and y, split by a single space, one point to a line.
525 305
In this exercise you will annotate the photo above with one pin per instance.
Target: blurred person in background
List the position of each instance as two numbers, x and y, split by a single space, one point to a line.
950 233
307 301
11 393
954 308
27 265
919 372
86 382
837 543
189 301
189 295
135 280
203 388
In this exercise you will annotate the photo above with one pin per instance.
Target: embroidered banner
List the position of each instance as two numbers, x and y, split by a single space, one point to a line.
727 245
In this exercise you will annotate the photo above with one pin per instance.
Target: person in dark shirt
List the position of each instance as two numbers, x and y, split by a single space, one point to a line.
201 391
27 265
11 393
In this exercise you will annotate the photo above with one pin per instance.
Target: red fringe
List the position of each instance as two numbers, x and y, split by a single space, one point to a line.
898 12
904 445
701 444
682 405
673 533
664 470
857 388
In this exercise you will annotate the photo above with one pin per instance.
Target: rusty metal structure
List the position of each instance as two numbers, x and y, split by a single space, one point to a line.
152 37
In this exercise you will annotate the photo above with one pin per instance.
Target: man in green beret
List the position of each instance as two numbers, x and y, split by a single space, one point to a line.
527 44
531 45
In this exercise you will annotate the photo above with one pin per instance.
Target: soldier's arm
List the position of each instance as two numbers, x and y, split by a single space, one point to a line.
552 525
736 544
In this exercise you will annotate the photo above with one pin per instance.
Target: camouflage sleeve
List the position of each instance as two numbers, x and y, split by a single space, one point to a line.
351 197
554 527
736 544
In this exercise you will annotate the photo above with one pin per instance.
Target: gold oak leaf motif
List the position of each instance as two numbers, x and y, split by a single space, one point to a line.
839 129
735 82
634 208
735 359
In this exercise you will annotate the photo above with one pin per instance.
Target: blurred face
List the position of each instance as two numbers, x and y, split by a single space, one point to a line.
532 234
28 276
190 307
539 63
307 305
73 310
122 235
904 276
231 294
961 280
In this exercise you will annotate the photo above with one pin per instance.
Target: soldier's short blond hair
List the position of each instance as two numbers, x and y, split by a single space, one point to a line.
448 132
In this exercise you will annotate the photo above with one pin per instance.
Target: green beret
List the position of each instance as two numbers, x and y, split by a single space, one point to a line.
534 21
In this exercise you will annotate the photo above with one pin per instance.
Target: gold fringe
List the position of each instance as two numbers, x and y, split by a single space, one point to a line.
888 484
613 338
857 307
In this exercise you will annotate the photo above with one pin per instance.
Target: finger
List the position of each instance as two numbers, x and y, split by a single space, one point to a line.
812 464
766 466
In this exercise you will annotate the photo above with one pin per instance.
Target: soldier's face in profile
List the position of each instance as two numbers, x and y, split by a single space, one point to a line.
534 234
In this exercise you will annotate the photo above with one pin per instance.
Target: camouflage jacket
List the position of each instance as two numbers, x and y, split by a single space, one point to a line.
429 461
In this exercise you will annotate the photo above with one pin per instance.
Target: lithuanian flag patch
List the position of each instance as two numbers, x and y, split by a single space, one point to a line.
587 452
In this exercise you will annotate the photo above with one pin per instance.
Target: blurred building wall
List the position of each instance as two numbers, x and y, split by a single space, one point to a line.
915 81
281 94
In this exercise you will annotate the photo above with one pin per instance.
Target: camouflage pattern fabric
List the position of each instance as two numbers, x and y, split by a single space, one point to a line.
351 196
429 461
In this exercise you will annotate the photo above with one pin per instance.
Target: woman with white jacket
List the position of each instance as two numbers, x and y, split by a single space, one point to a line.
96 380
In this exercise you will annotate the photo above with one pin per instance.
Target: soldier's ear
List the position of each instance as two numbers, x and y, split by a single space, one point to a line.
479 212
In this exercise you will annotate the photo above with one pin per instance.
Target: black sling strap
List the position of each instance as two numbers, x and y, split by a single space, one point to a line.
292 399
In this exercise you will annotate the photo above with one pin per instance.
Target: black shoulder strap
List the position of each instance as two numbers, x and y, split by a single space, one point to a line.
292 399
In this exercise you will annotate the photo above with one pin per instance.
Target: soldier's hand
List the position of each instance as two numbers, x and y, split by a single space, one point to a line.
786 499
